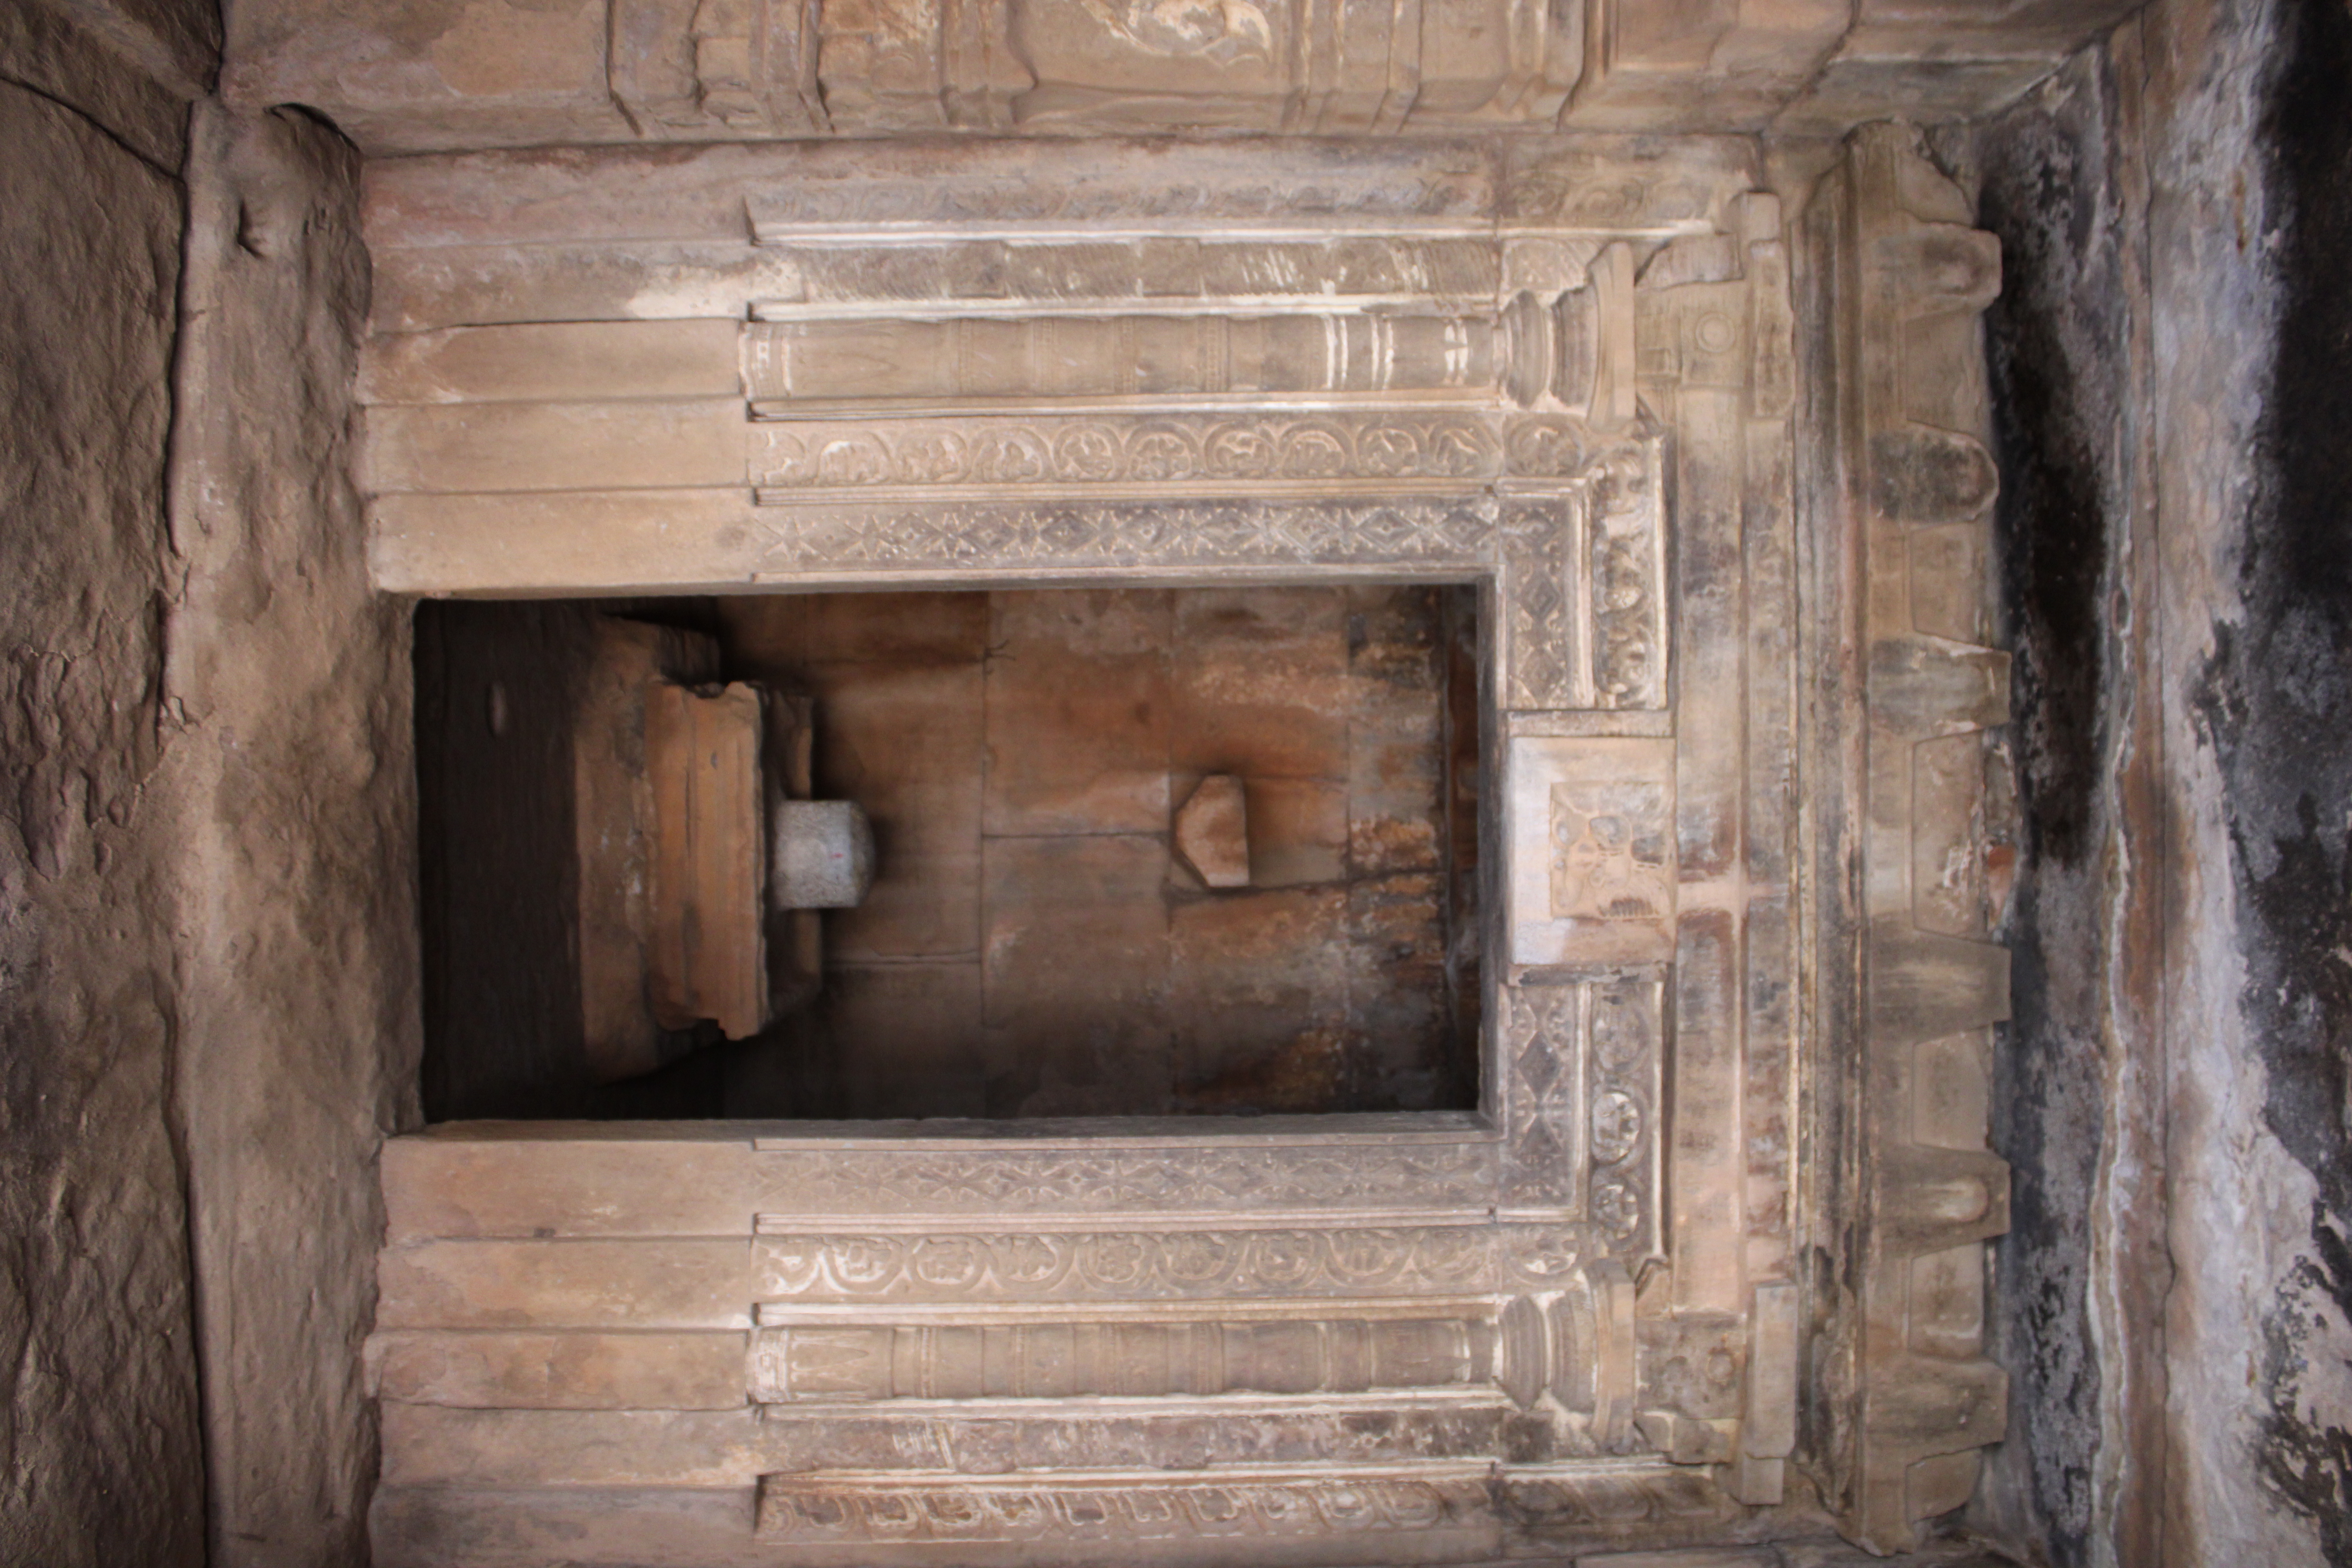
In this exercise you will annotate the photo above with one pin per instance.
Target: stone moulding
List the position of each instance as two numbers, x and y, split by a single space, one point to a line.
1910 1396
691 70
1134 1508
1563 369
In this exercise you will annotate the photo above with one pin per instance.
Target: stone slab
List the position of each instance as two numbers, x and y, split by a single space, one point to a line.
501 446
569 1284
1258 683
553 362
1258 990
632 1371
1077 726
1590 830
1298 831
483 1184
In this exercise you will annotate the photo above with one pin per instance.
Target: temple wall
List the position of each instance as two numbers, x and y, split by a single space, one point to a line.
2167 358
100 1459
206 981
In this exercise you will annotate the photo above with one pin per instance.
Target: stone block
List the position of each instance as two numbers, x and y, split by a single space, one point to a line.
1259 683
1213 832
1258 991
579 1284
820 855
641 1527
527 1449
1077 725
499 447
417 74
615 830
535 1182
1850 89
560 1371
1298 831
707 954
1081 1038
547 362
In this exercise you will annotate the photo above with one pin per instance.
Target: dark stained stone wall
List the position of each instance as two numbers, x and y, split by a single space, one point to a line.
2172 362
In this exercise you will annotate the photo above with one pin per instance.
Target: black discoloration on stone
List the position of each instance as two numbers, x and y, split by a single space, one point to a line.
2056 347
2278 707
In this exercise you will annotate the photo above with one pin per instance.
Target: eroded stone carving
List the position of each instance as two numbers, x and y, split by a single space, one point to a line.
989 1180
462 74
1143 1506
1921 1396
1045 1265
1146 1358
1314 454
1592 867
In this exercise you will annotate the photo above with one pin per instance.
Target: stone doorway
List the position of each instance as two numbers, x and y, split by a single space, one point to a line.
1725 917
1038 941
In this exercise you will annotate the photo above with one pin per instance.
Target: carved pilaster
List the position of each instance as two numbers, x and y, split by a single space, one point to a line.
1917 1396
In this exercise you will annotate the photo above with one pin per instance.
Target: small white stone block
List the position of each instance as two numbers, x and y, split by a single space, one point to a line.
1213 832
822 854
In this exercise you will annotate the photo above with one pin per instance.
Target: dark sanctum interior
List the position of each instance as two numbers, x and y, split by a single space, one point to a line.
1036 942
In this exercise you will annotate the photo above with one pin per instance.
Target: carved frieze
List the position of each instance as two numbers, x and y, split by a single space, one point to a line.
1379 1174
1309 455
1434 537
799 1362
1624 1112
1168 1433
1121 1264
1113 1507
1584 1059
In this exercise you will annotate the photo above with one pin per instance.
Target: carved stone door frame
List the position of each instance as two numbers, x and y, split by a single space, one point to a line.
1564 368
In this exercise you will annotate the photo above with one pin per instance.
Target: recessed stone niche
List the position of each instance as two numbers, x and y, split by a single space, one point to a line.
1037 942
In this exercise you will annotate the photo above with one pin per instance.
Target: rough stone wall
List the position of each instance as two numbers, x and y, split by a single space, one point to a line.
2078 1099
2169 355
100 1457
287 682
206 971
2250 224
